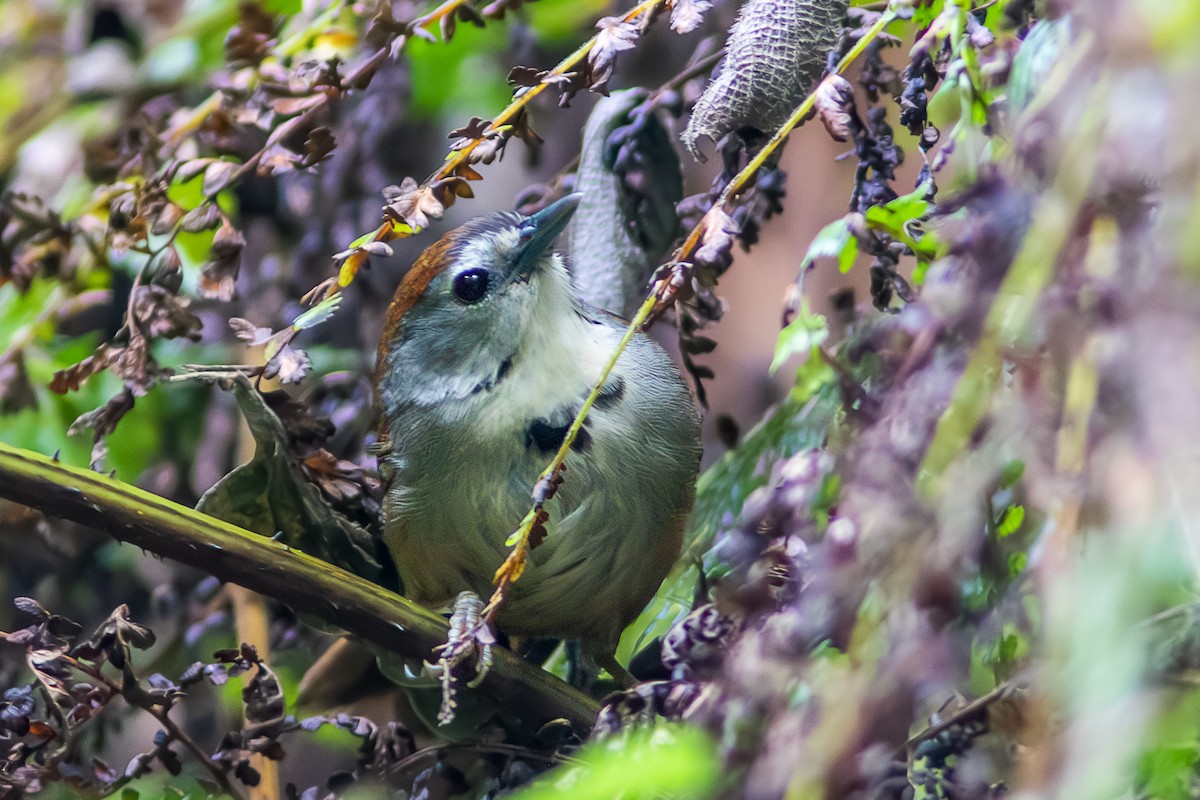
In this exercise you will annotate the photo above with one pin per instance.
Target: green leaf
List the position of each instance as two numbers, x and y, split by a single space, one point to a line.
1011 473
270 495
1168 769
1014 517
798 423
945 106
287 7
894 217
835 240
801 335
923 15
666 761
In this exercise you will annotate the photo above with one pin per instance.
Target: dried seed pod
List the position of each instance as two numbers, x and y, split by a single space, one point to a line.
630 178
776 51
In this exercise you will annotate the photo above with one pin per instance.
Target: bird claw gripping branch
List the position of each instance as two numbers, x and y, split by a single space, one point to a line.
470 639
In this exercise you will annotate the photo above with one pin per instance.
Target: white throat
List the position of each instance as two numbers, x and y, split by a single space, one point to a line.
557 362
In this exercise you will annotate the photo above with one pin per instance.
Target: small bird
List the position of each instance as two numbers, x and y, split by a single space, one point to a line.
486 357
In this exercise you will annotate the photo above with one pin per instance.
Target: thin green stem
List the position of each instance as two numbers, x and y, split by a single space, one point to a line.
511 570
1019 294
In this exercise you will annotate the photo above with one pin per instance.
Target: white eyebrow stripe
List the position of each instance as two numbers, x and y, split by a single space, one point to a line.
489 247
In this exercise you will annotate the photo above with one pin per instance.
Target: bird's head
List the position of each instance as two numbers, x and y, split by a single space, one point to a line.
464 309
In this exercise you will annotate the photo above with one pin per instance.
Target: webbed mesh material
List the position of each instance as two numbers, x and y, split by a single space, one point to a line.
777 50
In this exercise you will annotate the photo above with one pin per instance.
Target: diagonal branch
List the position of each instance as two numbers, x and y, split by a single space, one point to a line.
458 161
308 585
675 274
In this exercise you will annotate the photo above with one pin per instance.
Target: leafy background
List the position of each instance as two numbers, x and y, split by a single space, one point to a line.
955 556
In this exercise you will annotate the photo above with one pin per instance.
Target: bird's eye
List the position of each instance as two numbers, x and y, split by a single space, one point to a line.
471 285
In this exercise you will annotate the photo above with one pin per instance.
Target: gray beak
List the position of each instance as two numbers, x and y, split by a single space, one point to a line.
539 232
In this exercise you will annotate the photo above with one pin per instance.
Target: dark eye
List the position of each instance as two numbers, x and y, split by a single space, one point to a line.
471 285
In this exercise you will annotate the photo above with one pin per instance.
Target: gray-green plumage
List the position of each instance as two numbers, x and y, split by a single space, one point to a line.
617 237
476 396
777 50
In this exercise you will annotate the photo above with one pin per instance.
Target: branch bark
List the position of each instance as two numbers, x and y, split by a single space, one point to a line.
307 584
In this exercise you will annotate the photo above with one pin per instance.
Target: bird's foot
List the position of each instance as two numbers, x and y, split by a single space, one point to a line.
469 642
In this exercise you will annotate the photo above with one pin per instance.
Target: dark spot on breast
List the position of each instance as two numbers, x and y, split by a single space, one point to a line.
548 437
611 394
545 437
505 366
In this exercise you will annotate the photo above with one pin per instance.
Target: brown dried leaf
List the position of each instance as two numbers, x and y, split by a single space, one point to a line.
305 432
104 419
202 218
465 172
477 128
121 211
163 314
219 274
525 77
716 245
217 176
16 392
686 15
71 378
318 146
538 532
248 332
289 365
489 150
167 218
228 241
134 364
218 279
523 130
341 480
615 35
834 101
167 272
447 190
249 42
289 106
413 203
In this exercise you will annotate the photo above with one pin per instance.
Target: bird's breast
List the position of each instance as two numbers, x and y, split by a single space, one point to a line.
462 474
